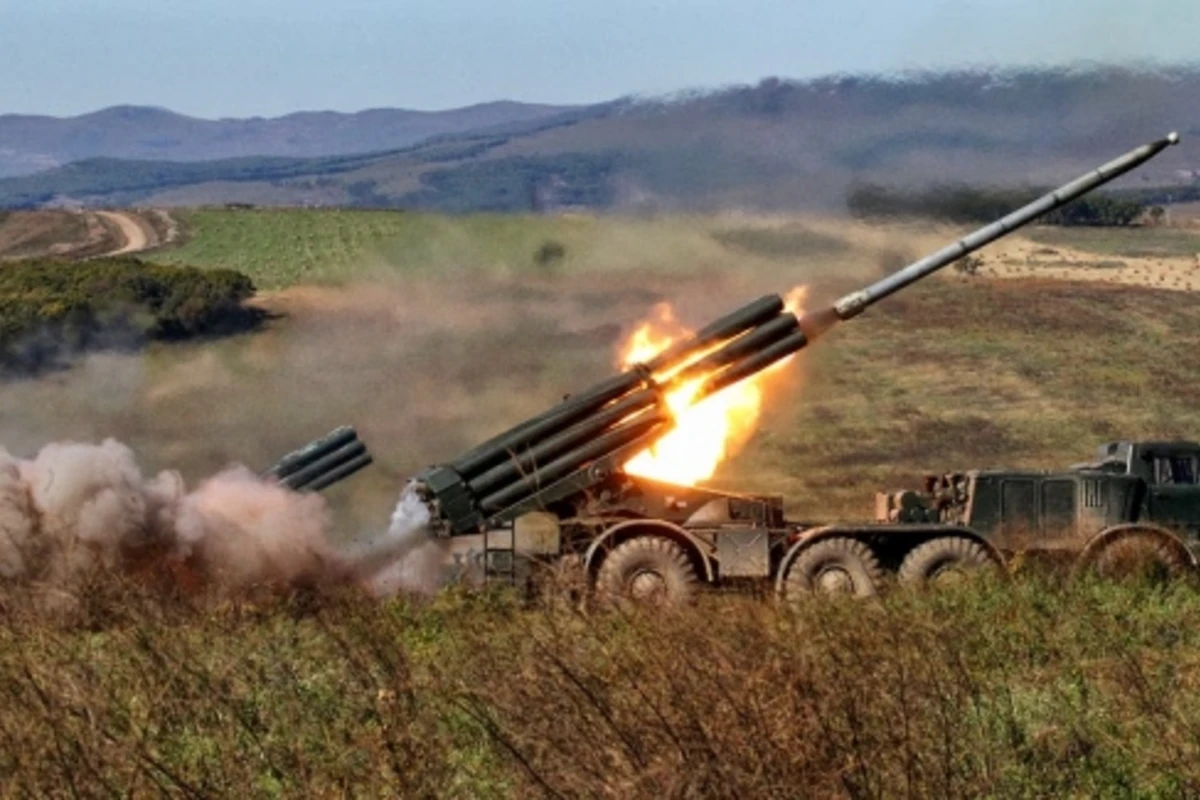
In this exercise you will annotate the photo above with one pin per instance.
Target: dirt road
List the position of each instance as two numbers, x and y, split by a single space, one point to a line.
136 237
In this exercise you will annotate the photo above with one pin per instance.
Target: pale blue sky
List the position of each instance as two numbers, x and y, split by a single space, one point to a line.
268 57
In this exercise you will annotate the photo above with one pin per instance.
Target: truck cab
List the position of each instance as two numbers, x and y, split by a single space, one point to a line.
1170 471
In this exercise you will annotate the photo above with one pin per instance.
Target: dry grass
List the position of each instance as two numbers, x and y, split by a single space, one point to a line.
1029 689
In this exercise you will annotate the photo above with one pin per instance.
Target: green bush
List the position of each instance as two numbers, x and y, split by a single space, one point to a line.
51 308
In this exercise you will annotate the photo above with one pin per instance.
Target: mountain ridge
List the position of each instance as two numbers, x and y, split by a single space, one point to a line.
32 142
778 144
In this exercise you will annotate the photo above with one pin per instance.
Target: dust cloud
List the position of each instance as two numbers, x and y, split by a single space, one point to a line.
78 509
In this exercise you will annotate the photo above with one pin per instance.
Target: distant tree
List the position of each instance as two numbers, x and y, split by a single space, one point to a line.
549 254
969 204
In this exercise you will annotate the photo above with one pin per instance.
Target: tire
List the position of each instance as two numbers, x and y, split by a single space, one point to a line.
945 560
647 571
1136 555
835 566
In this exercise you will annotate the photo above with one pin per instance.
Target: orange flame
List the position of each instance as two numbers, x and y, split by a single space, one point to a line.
704 433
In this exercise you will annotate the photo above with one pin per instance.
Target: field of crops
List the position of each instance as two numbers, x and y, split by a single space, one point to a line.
282 247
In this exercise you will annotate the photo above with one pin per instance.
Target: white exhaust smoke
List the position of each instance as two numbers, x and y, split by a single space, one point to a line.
406 558
416 561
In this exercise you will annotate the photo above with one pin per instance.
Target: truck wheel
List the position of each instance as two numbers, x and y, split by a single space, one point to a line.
945 560
649 570
1136 554
835 566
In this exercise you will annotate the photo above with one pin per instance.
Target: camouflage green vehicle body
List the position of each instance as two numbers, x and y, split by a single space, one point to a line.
1145 490
1137 499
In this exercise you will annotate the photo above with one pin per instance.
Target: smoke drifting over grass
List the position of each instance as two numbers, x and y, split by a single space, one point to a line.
76 510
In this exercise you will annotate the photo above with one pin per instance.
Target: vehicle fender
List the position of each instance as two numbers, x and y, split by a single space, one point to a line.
625 530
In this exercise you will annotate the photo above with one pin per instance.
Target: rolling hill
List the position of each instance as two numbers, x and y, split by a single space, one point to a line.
776 145
32 143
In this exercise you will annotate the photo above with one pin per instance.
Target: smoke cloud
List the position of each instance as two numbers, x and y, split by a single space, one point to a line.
76 510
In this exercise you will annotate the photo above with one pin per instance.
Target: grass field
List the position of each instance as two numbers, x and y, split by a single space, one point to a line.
281 247
430 334
975 373
1021 690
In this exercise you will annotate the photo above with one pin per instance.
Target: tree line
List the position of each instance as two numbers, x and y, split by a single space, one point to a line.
51 309
969 204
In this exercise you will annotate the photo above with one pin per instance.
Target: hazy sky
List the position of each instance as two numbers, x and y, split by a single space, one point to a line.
267 57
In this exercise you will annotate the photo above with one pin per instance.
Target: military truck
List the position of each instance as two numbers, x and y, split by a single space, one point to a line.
553 488
553 491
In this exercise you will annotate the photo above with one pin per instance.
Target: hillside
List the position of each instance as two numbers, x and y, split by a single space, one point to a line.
32 143
776 145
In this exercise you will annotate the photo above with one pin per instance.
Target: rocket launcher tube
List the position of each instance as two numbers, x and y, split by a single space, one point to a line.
746 318
739 348
573 460
300 478
544 451
755 363
577 408
569 484
298 459
566 413
855 303
322 462
520 463
345 470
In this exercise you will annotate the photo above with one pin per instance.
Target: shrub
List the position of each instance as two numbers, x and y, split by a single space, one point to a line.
549 254
50 309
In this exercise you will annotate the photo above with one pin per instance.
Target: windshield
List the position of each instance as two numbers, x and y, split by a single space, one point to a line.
1180 470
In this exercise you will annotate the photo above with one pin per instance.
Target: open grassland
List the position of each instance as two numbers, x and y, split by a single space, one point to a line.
974 373
1131 242
456 328
1020 690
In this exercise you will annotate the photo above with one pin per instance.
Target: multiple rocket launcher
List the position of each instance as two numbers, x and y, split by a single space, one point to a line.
580 442
608 423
